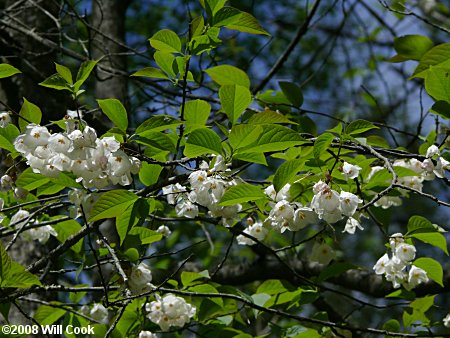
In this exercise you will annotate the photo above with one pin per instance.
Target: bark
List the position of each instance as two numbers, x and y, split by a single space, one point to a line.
108 36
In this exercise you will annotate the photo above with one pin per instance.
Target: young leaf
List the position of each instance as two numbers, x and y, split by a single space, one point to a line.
7 70
419 223
202 141
269 116
242 135
228 75
47 315
292 92
322 144
116 112
30 113
197 27
433 238
167 41
234 99
149 173
411 47
146 236
196 112
359 127
111 204
165 61
273 138
65 229
441 108
286 172
432 267
241 193
65 73
247 23
151 72
57 82
437 83
438 55
213 6
83 73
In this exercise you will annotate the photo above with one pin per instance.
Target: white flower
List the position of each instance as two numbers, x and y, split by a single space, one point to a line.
348 203
256 230
432 150
5 119
319 187
322 253
220 164
381 264
164 230
99 313
283 194
170 311
6 182
140 279
350 171
441 166
303 216
395 240
405 252
386 202
446 320
172 192
197 178
18 218
186 208
416 276
59 143
42 234
351 225
147 334
325 201
20 193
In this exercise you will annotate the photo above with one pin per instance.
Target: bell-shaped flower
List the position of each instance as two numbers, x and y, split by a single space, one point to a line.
186 208
351 225
41 234
19 218
405 252
256 230
322 253
140 279
303 216
350 171
348 203
432 150
59 143
5 119
416 276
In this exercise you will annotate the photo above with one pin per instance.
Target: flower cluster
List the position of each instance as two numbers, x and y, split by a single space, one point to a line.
395 268
207 188
427 170
332 206
170 310
140 279
256 230
83 202
96 162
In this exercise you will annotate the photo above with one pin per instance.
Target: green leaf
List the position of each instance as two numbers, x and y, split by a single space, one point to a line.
4 310
432 267
247 23
30 112
6 144
242 135
433 238
418 222
196 112
151 72
134 213
226 16
197 26
271 287
112 204
411 47
5 263
203 141
241 193
65 229
157 123
419 307
165 61
437 83
228 75
213 6
47 315
438 55
149 173
18 277
57 82
392 325
83 73
7 70
115 111
359 126
30 180
188 277
167 41
65 73
259 158
146 236
322 144
234 99
292 92
156 139
441 108
274 138
286 172
269 116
